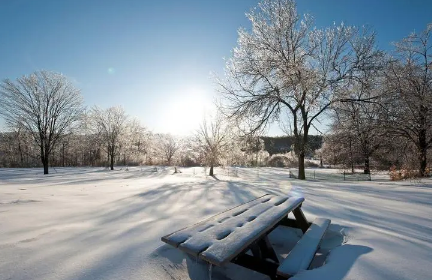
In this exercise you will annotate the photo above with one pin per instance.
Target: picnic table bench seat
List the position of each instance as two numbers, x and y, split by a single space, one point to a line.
301 256
222 237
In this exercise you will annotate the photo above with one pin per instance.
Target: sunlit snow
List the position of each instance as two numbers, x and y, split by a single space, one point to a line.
92 223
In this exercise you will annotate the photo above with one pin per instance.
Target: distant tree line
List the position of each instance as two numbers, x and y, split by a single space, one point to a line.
109 138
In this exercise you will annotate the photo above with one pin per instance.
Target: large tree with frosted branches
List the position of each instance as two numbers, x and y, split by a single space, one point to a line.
45 105
285 64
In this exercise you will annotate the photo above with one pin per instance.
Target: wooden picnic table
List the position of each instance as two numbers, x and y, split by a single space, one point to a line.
227 236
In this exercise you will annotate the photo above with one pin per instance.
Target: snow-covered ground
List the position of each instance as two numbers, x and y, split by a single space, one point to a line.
92 223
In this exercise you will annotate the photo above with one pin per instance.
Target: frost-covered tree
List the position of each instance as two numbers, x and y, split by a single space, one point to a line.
409 93
109 126
17 149
333 152
45 104
135 142
284 63
253 145
360 123
359 126
341 147
188 154
212 140
168 146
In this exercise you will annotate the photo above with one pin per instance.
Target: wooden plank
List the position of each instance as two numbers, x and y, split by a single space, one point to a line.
287 222
301 219
302 254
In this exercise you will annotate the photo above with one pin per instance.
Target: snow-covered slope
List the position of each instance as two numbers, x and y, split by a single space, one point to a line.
91 223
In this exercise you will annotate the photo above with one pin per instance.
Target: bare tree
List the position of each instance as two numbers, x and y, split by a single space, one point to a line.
337 149
138 140
44 104
253 145
213 139
285 64
360 124
409 88
109 126
168 146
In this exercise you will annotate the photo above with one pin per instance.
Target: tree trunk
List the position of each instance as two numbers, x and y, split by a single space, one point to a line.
366 165
302 142
211 170
112 162
422 153
301 163
45 168
111 155
44 158
63 154
351 155
423 162
45 162
21 154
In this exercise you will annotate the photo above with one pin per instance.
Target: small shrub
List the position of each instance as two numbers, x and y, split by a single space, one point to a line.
189 162
282 161
309 163
278 161
404 173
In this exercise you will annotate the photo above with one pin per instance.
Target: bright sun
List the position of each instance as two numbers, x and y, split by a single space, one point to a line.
186 110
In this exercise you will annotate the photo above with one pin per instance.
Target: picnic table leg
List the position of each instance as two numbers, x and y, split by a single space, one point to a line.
197 269
267 250
256 251
301 219
264 250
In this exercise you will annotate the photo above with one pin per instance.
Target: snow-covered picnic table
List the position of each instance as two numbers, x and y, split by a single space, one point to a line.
227 236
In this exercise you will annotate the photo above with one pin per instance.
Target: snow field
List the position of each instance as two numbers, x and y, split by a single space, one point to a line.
92 223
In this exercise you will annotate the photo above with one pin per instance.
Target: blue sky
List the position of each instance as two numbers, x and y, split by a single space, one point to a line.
154 58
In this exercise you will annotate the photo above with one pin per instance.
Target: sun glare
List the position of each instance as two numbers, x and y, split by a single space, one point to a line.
186 111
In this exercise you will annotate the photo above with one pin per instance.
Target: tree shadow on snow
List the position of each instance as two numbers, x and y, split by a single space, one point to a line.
121 231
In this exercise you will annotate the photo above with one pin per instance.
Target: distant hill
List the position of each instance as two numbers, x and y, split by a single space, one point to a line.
283 144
